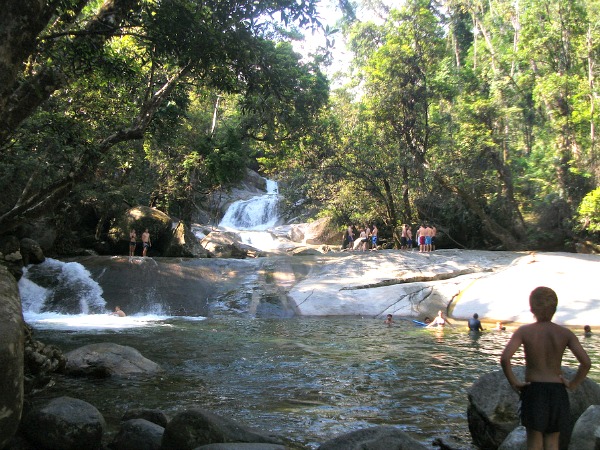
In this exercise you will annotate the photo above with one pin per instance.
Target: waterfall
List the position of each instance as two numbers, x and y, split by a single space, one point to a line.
56 286
59 294
251 219
256 214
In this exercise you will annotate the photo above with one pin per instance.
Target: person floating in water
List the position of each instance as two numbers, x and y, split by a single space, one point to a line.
544 398
389 320
499 327
439 321
119 312
587 331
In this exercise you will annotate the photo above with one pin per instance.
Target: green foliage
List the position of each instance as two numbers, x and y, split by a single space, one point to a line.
588 213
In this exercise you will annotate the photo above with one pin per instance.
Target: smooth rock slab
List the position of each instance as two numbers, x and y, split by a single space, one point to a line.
107 359
65 423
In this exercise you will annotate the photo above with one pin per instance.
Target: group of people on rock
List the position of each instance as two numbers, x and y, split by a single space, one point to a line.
367 238
425 238
146 242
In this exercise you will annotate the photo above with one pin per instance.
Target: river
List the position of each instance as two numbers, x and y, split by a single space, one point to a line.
306 379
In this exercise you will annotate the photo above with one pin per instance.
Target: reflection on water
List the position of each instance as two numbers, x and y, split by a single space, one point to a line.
306 379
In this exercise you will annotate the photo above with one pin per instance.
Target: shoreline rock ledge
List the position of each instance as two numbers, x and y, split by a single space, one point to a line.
496 285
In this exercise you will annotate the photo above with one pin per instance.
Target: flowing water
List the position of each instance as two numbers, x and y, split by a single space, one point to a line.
307 379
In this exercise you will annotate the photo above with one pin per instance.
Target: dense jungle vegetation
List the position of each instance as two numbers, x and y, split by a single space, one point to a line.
477 116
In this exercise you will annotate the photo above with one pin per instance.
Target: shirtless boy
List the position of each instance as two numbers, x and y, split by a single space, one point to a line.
544 398
146 243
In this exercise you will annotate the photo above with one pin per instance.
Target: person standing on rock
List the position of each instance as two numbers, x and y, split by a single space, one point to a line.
132 242
544 398
146 242
421 238
409 241
374 233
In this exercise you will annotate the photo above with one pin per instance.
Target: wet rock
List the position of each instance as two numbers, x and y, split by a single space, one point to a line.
493 405
11 356
107 359
196 427
184 243
240 446
31 252
10 255
65 423
375 438
41 362
138 434
151 415
516 440
585 430
225 244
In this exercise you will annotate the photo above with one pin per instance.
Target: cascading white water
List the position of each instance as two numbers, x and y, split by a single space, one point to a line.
252 218
256 214
71 290
63 295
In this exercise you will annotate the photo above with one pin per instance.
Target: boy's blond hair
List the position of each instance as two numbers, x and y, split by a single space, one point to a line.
543 302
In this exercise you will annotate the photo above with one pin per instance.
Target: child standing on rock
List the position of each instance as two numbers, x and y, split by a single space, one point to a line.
544 398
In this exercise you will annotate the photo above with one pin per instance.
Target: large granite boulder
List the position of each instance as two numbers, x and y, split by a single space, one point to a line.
375 438
138 434
11 356
225 244
64 423
169 237
139 218
184 243
107 359
585 430
493 407
196 427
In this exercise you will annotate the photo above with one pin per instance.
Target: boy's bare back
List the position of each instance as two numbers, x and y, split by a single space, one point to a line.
544 344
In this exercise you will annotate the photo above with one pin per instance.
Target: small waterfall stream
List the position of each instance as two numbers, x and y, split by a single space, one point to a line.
254 220
256 214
